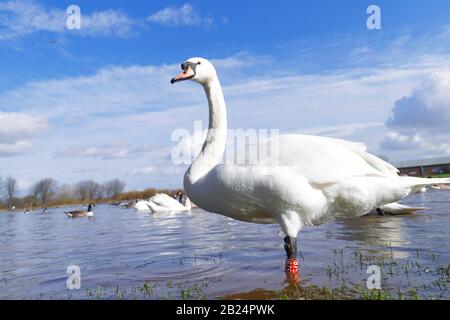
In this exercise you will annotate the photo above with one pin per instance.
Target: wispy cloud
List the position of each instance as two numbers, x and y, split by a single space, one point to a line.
16 131
115 150
185 15
20 18
144 171
15 148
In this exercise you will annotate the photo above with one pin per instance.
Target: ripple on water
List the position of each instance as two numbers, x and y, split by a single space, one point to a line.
184 267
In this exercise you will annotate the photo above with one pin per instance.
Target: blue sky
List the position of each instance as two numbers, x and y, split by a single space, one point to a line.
97 103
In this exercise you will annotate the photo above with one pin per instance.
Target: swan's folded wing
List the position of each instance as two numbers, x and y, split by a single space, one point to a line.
324 160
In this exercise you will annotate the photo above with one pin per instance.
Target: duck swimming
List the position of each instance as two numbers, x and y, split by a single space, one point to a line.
80 213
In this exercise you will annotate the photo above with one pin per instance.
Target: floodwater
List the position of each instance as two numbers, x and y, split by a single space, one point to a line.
125 254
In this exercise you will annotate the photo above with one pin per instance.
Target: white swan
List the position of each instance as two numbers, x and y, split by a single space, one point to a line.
162 202
142 206
315 177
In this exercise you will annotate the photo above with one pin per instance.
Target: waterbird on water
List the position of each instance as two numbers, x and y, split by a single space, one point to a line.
162 202
314 177
81 213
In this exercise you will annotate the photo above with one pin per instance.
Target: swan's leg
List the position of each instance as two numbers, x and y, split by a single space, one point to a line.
291 225
290 245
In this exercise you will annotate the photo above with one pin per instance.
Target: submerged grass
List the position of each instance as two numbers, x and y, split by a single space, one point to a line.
420 275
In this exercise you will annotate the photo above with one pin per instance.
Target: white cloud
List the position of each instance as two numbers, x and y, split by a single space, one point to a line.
107 23
115 150
20 18
109 91
15 148
17 125
144 171
420 121
397 141
179 16
15 131
417 143
340 131
428 107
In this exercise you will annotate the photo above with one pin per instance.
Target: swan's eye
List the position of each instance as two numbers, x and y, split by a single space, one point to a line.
199 62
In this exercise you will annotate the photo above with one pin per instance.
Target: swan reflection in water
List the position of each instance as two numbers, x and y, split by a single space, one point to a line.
385 231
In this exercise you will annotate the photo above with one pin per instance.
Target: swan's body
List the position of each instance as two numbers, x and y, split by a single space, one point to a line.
162 202
142 206
81 213
314 177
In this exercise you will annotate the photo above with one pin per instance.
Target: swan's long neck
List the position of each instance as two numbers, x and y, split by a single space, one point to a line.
214 146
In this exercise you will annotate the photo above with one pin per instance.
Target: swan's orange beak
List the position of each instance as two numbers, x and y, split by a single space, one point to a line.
187 73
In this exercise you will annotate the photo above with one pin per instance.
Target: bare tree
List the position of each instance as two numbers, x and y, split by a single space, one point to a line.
2 185
44 190
65 192
113 188
88 190
11 188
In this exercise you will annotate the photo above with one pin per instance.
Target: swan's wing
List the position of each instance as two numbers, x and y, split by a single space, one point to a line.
164 200
324 160
141 206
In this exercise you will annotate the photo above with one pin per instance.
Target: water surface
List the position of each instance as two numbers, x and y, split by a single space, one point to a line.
205 255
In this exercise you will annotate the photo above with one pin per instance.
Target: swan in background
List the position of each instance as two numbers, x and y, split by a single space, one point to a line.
314 177
439 187
81 213
142 206
162 202
395 209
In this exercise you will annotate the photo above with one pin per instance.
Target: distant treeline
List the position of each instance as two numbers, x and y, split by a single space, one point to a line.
48 193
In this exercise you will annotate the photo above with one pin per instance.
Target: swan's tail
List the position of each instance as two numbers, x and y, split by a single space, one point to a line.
396 208
418 183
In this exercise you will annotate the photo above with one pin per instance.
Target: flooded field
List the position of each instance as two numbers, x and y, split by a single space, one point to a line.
123 254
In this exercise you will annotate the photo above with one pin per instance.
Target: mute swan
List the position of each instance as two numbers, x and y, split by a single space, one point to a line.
162 202
315 177
80 213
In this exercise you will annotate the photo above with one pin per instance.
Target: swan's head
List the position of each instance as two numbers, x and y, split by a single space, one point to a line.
196 69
